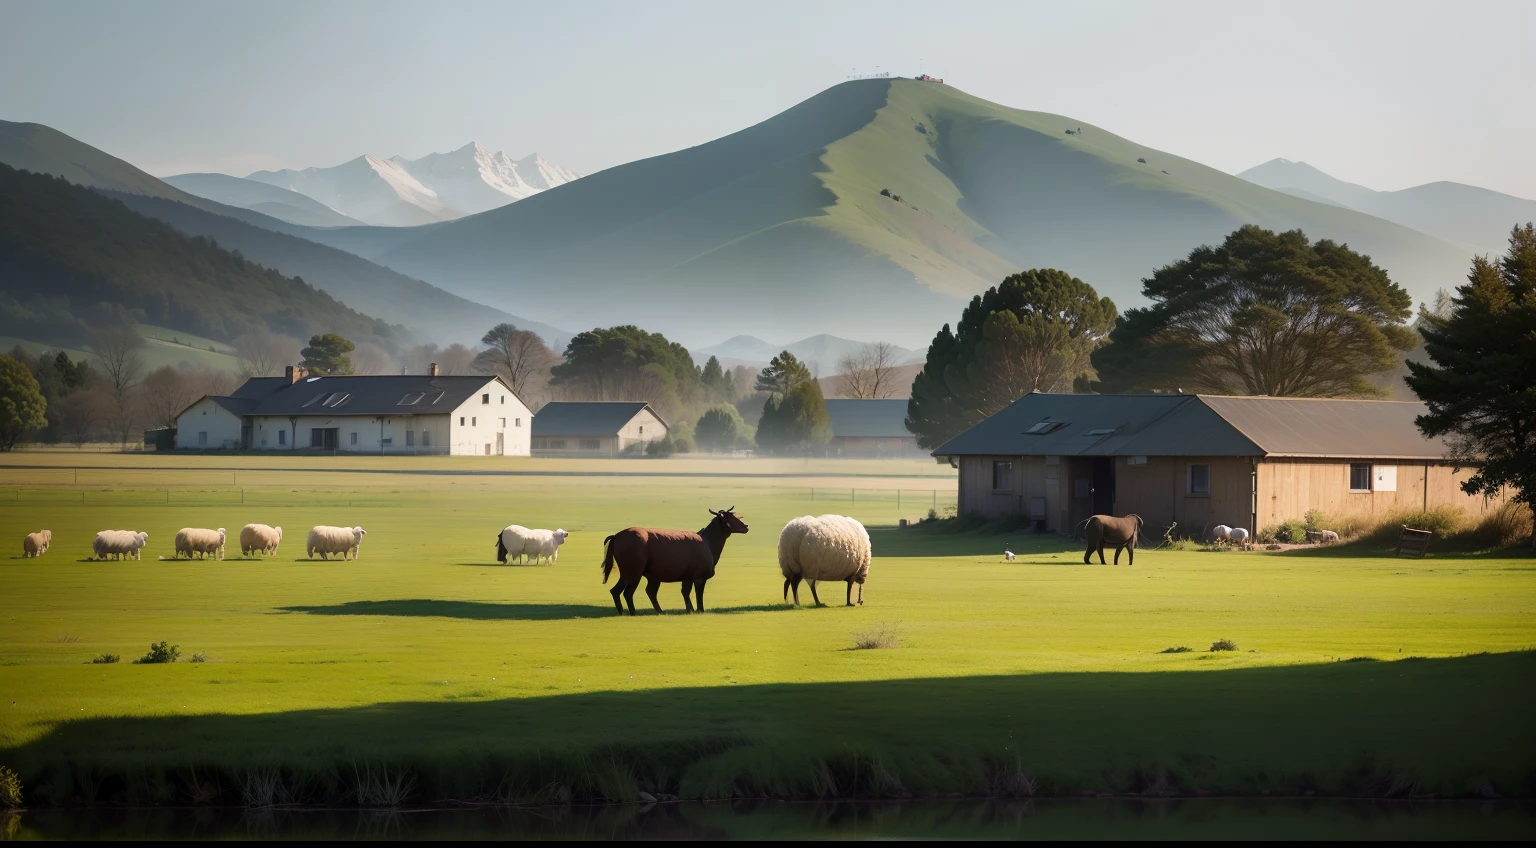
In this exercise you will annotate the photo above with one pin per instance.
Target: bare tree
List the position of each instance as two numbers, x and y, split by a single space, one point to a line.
868 372
453 360
519 357
83 412
263 354
369 358
168 390
118 349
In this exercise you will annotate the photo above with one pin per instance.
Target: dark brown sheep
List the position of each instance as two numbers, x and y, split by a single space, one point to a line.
1121 532
667 556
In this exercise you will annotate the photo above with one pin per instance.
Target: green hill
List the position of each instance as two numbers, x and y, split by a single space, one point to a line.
363 285
71 258
781 229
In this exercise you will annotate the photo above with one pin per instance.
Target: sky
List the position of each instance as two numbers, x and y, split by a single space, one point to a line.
1389 95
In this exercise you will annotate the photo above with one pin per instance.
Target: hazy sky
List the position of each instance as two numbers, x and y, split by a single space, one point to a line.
1385 94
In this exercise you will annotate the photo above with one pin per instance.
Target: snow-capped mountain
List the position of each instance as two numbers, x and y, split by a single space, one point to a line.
475 179
370 189
399 192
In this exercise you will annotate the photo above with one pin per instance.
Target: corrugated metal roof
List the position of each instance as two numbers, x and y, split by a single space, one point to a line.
880 419
1366 429
1199 425
404 394
590 418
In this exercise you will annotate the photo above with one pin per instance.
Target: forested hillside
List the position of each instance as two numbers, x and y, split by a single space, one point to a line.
71 258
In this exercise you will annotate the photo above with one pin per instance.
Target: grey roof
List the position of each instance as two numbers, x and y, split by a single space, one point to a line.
882 419
404 394
586 418
1198 425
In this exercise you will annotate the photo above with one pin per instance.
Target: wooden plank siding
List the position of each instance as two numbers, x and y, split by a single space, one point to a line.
1290 487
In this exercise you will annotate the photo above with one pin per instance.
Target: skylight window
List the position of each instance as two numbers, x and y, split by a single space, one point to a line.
316 399
336 399
1045 427
1102 431
438 397
412 399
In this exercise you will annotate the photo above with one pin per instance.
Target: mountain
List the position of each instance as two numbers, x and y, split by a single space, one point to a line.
782 229
476 180
1476 219
71 257
280 203
370 189
379 291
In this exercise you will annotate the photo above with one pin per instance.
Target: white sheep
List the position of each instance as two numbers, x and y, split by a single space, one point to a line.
119 544
1009 556
826 547
519 541
323 540
512 542
36 544
1222 533
1322 537
1240 537
200 541
259 538
546 545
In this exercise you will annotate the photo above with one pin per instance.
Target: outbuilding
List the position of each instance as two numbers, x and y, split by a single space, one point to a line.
1201 460
871 428
378 414
595 428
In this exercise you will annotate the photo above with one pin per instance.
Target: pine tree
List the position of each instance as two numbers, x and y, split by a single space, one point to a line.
328 355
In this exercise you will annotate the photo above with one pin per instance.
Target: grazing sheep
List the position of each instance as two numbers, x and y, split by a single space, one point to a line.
119 544
1222 533
546 544
1123 532
259 538
323 540
826 547
196 540
1240 537
36 544
1009 556
1322 537
519 541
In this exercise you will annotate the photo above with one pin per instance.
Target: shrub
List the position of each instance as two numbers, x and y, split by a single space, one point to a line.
634 449
661 448
1506 526
1316 519
10 789
160 652
1180 649
1291 533
105 659
1223 645
198 656
881 635
1443 521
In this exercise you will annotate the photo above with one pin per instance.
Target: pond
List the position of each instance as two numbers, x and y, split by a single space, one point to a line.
1096 818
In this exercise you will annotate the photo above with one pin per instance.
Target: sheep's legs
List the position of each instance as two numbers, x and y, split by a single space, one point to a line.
850 594
698 589
814 595
792 584
651 585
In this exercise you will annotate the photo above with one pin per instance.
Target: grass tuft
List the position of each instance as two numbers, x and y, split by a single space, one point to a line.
881 635
379 786
160 652
10 789
105 659
1361 659
1177 649
1223 645
1009 780
198 656
66 638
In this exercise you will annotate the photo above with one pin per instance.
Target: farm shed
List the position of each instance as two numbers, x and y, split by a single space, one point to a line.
871 428
1202 460
595 428
393 414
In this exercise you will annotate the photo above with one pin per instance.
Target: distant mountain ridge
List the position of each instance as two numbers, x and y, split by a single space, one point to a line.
260 197
1476 219
400 192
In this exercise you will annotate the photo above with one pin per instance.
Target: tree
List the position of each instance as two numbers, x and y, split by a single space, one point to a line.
783 374
1263 314
117 349
83 412
327 355
716 382
369 358
453 360
168 390
519 357
1033 332
22 407
868 372
264 354
796 421
627 363
718 428
1481 387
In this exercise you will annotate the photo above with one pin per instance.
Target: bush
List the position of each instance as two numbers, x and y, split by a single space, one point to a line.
661 448
105 659
1443 521
10 789
199 656
1291 533
634 449
1223 645
1180 649
160 652
1505 527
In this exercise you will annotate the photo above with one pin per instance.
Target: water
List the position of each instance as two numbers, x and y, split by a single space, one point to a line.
956 819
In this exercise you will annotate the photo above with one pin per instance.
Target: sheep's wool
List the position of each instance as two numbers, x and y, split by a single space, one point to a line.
825 547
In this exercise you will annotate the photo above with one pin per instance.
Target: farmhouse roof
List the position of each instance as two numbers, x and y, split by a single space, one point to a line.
404 394
587 418
1198 425
881 419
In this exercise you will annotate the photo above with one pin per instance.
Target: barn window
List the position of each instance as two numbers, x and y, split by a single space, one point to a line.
486 398
410 438
352 440
539 444
517 422
503 423
426 438
642 429
202 437
557 444
1002 476
1199 479
503 400
1359 476
473 421
282 437
461 421
590 444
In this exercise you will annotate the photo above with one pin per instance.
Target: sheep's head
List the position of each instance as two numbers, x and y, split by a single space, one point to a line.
279 532
560 536
359 532
731 521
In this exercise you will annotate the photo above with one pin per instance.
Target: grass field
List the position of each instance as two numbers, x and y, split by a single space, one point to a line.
426 671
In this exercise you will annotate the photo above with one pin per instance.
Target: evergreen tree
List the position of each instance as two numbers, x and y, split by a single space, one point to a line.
715 382
22 408
1481 389
718 428
328 355
783 374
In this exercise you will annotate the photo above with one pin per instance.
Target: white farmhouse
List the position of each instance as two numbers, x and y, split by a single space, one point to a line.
404 414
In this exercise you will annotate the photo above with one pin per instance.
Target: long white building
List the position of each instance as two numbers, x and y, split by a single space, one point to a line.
387 414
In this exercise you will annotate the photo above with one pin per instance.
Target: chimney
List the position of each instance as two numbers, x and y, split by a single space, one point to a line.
432 369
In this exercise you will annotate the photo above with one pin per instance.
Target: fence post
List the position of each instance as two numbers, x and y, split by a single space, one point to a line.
898 500
853 495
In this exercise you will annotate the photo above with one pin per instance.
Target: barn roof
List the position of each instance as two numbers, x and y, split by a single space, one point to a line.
586 418
1197 425
881 419
403 394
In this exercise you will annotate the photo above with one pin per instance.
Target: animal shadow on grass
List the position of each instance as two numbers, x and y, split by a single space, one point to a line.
482 611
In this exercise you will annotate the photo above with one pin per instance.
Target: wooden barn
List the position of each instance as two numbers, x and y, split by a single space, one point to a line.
871 428
595 428
1202 460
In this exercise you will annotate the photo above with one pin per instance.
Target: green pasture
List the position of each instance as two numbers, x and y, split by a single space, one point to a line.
425 661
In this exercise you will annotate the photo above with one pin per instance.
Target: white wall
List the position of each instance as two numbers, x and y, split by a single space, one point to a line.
494 409
207 426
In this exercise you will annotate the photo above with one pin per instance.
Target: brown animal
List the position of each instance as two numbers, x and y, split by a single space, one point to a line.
667 556
1104 530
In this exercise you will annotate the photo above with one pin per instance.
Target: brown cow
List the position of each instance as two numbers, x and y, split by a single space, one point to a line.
1120 532
667 556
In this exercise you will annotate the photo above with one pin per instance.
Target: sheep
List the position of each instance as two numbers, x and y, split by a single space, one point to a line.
1240 537
519 541
259 538
827 547
1222 533
1322 537
36 544
119 544
1009 556
323 540
200 541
